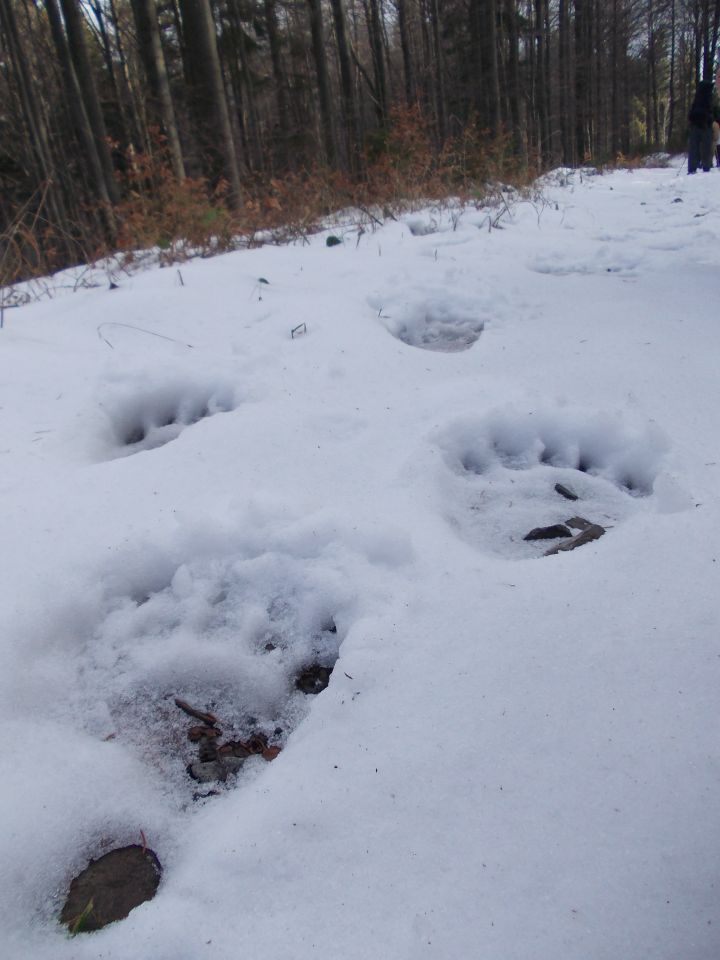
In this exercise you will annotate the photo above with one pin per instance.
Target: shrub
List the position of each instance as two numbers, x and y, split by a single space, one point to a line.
180 217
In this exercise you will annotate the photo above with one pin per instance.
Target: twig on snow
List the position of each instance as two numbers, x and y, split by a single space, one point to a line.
131 326
210 719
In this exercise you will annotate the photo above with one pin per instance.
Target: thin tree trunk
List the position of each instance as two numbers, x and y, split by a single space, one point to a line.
441 107
714 32
705 34
545 80
203 65
566 102
74 26
347 87
139 133
492 74
39 138
671 117
376 48
323 84
279 81
625 98
514 75
247 83
654 95
408 71
581 80
74 100
484 59
599 114
614 81
476 93
97 10
153 57
426 57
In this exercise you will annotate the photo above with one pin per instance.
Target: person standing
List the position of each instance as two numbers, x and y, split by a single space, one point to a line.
716 118
700 119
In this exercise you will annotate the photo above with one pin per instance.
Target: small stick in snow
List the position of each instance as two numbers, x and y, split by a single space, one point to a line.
565 492
371 216
131 326
296 331
207 718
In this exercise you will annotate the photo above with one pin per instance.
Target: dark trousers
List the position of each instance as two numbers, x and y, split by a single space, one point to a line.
700 148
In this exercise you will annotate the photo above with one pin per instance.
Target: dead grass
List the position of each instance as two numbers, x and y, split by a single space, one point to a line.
178 219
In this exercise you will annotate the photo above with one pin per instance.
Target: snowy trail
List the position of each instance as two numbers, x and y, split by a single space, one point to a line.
516 756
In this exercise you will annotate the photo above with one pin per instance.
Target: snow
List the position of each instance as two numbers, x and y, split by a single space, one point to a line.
517 756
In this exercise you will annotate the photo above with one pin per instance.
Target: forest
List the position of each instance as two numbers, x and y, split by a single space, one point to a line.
127 124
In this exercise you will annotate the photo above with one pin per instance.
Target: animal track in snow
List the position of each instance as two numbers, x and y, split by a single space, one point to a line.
150 418
607 260
420 227
246 637
505 468
200 670
595 448
440 321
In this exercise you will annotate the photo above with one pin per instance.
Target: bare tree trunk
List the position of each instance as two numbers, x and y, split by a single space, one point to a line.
81 61
654 118
97 10
80 120
582 67
244 84
39 138
714 32
139 133
484 56
545 79
347 87
301 97
566 103
625 72
209 89
614 80
378 56
599 138
511 17
153 57
323 83
492 68
279 80
671 117
440 105
705 35
408 70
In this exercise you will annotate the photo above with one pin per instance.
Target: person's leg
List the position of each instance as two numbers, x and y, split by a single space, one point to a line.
693 149
706 148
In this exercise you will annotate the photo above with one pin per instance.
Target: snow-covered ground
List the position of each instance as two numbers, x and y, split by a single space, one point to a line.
517 756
